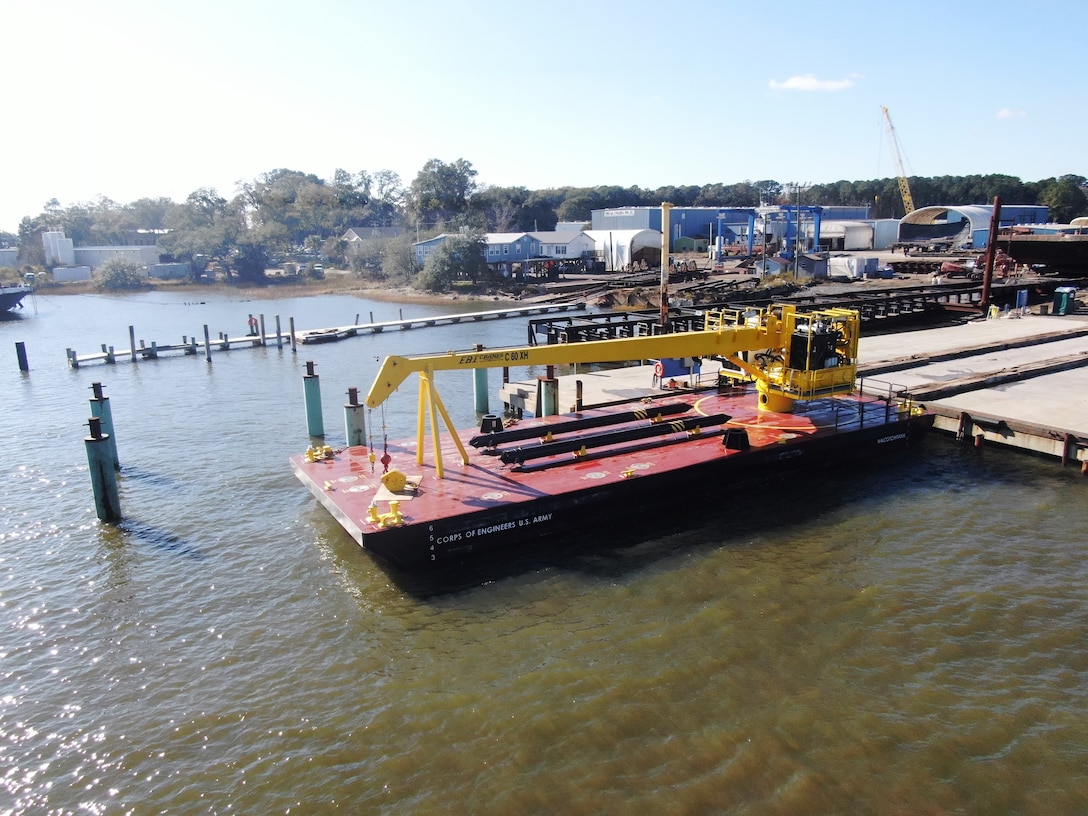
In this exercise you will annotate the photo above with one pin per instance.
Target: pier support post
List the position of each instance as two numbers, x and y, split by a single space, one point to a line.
355 420
577 395
479 390
479 387
100 410
964 427
311 386
547 396
132 342
107 500
294 342
279 334
261 342
207 344
20 353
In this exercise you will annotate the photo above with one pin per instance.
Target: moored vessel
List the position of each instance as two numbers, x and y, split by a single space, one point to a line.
12 296
786 403
1059 252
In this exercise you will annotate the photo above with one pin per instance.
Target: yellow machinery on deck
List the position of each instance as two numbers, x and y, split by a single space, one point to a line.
793 356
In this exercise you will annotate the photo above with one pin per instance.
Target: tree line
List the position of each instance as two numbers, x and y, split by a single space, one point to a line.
291 215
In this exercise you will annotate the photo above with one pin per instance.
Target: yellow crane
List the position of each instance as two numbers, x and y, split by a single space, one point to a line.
800 356
904 185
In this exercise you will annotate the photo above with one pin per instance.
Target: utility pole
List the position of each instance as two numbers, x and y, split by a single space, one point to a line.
666 229
991 252
798 188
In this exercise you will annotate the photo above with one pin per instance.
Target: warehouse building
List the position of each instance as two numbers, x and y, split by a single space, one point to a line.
963 227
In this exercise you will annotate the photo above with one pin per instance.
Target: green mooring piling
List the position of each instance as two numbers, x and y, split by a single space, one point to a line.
100 410
355 420
479 387
547 396
311 387
479 390
107 499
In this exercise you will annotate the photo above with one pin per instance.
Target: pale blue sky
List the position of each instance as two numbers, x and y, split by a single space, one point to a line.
139 98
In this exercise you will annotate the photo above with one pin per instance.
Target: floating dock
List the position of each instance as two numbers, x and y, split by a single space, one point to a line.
342 332
568 473
1015 381
557 476
192 346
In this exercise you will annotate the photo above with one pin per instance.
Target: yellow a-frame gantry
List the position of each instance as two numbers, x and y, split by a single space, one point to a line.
799 356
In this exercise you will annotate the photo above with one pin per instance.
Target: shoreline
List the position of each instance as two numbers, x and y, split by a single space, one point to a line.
396 294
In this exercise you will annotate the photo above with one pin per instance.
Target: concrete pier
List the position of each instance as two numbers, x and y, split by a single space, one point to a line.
1014 381
601 387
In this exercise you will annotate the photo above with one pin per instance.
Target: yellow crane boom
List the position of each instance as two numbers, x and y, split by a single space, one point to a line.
802 356
904 185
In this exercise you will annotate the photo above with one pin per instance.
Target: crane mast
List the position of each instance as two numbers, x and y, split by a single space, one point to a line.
904 186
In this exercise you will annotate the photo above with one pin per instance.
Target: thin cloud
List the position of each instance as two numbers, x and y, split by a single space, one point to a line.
809 82
1009 113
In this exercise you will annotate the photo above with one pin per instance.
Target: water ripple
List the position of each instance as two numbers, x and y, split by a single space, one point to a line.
906 639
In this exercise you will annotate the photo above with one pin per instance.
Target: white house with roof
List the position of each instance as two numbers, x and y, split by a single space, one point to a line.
563 246
357 234
360 239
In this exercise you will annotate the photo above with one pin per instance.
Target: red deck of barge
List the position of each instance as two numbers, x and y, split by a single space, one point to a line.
488 503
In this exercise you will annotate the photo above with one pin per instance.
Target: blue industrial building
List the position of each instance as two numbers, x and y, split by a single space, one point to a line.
703 220
695 227
705 223
789 228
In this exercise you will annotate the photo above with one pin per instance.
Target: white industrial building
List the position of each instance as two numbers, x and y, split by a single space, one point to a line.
621 248
60 252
